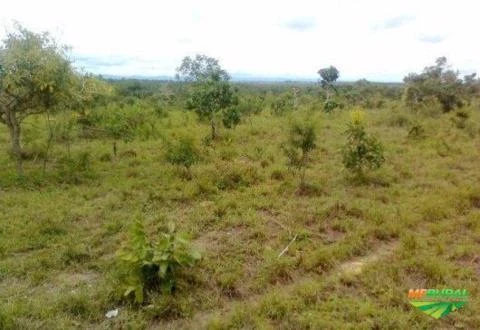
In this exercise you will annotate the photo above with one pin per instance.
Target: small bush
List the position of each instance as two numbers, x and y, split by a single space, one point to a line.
75 169
148 265
182 153
276 307
282 104
118 122
329 106
398 120
300 143
236 176
460 118
416 131
362 151
321 260
106 157
231 117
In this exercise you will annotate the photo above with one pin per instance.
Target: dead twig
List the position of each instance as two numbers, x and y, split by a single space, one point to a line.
286 248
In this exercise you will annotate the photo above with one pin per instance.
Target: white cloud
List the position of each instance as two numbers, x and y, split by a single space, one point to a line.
372 39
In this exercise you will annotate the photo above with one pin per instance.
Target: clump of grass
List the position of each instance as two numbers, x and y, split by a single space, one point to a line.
396 119
168 308
78 305
239 318
228 283
74 254
230 177
277 174
278 270
321 260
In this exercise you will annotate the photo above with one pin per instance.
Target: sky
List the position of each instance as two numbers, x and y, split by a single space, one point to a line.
376 40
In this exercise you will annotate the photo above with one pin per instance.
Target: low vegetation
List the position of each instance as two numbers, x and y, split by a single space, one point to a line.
110 175
148 265
362 151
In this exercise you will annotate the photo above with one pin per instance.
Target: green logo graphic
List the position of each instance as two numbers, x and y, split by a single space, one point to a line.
438 303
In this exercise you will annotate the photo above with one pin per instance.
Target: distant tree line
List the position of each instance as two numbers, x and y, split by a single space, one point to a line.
38 78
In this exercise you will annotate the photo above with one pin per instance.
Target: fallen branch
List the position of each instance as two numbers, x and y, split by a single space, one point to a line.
286 248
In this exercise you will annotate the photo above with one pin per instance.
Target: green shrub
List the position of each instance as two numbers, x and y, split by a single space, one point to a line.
235 176
329 106
249 105
416 131
183 153
460 118
231 117
118 122
362 151
75 169
300 143
281 104
149 265
398 120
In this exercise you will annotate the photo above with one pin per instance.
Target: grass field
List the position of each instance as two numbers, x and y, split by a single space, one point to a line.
354 249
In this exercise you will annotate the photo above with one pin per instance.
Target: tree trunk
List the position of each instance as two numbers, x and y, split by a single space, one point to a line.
49 143
303 170
14 129
214 132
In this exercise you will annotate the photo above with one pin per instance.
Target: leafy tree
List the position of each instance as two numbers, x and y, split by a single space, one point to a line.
210 89
437 83
35 77
328 77
300 143
472 84
92 91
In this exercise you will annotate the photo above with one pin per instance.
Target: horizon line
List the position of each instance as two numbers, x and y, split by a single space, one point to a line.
242 78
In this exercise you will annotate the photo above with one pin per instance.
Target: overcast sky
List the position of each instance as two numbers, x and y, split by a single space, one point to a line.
377 40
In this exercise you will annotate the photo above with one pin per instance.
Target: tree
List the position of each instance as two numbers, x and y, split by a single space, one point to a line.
328 78
210 90
329 75
438 83
35 77
472 84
